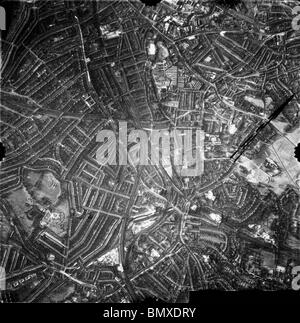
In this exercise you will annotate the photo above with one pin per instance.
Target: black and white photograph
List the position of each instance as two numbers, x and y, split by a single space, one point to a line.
150 152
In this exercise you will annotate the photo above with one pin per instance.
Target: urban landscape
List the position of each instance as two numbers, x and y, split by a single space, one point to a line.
76 231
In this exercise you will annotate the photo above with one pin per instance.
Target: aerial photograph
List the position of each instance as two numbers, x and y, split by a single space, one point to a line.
150 150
